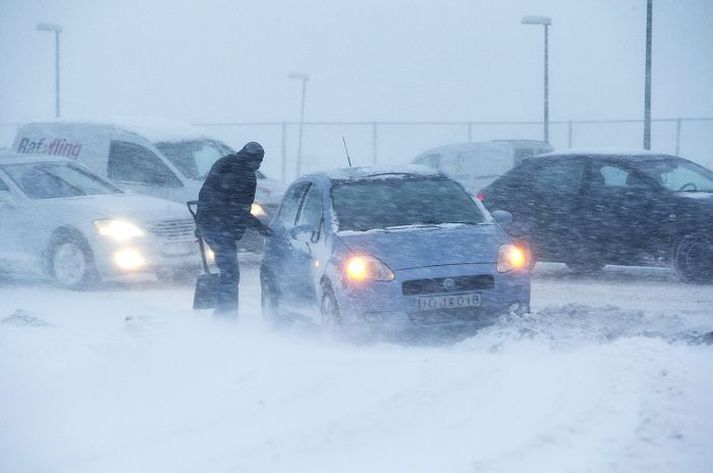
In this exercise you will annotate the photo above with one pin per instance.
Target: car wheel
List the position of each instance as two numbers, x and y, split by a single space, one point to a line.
585 267
331 318
270 303
693 258
71 264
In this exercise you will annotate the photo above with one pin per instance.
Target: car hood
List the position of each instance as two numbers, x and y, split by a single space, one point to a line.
138 208
428 246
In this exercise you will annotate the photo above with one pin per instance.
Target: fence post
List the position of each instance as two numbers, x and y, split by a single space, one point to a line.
470 132
678 136
284 151
375 142
569 134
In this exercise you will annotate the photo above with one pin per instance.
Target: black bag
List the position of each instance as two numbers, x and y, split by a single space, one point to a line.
206 292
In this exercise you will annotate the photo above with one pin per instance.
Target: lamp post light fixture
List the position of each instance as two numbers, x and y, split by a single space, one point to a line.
304 78
56 29
545 21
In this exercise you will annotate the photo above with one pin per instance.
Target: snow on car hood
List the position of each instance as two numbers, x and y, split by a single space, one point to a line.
137 208
420 246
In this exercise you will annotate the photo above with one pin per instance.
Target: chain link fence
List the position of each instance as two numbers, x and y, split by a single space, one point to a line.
399 142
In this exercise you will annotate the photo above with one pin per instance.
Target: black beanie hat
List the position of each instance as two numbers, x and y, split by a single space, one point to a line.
254 150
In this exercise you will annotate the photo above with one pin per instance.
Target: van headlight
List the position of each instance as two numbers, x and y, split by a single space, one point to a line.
511 257
118 230
362 267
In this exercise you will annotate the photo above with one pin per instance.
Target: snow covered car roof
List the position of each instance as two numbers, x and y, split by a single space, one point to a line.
363 172
604 152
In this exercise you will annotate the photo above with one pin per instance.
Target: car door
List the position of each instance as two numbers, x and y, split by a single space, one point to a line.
279 248
618 210
556 206
544 197
141 171
20 225
307 237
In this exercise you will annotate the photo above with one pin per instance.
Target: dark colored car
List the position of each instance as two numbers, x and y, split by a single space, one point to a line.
589 208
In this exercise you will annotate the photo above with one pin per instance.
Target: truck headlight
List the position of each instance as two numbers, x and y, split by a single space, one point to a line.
511 257
118 230
256 210
362 267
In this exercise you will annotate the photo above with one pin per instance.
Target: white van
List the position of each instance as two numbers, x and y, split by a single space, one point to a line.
475 165
160 158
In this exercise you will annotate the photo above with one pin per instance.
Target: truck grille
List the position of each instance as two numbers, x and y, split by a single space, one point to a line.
454 284
174 229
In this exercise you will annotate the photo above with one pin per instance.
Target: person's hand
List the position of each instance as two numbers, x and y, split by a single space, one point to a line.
265 231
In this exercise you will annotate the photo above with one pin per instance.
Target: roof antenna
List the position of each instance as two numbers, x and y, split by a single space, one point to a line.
346 150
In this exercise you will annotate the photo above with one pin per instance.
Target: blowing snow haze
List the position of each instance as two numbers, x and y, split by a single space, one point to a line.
368 60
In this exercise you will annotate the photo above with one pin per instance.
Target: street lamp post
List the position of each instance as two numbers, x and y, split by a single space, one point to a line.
56 29
647 78
545 21
304 78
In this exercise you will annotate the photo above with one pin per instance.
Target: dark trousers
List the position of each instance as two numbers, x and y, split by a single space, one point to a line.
225 248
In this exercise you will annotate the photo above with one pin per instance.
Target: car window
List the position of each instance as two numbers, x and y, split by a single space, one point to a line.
679 176
364 204
193 158
3 186
134 163
561 177
311 211
615 175
52 180
291 203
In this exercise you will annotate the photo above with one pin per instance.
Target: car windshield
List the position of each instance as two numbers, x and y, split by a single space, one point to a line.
367 204
679 175
194 157
56 180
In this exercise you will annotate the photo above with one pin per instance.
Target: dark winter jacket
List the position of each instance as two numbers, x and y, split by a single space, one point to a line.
228 192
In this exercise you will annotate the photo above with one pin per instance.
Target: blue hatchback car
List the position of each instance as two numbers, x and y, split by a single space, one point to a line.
390 248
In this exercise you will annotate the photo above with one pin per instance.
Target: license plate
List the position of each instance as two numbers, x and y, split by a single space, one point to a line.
449 301
179 248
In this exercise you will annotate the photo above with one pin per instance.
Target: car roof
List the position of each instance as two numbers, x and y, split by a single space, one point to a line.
17 158
367 172
616 153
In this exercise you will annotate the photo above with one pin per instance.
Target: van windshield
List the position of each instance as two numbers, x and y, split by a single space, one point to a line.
194 157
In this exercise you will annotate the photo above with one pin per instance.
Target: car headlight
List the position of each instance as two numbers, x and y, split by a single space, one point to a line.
256 210
362 267
129 259
511 257
118 230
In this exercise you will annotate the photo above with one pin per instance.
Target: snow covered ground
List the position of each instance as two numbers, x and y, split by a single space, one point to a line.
609 374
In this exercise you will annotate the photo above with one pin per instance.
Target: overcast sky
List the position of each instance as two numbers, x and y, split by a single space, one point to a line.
368 59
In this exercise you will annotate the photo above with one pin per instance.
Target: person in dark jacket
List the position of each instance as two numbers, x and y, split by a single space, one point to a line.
224 204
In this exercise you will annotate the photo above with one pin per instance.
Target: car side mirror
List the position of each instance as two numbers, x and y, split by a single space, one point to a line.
302 233
502 218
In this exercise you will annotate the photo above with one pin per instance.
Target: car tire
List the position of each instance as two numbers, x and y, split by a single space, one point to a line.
270 303
71 263
585 267
331 318
693 258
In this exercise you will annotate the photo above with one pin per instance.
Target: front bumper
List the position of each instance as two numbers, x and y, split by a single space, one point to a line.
384 304
159 257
